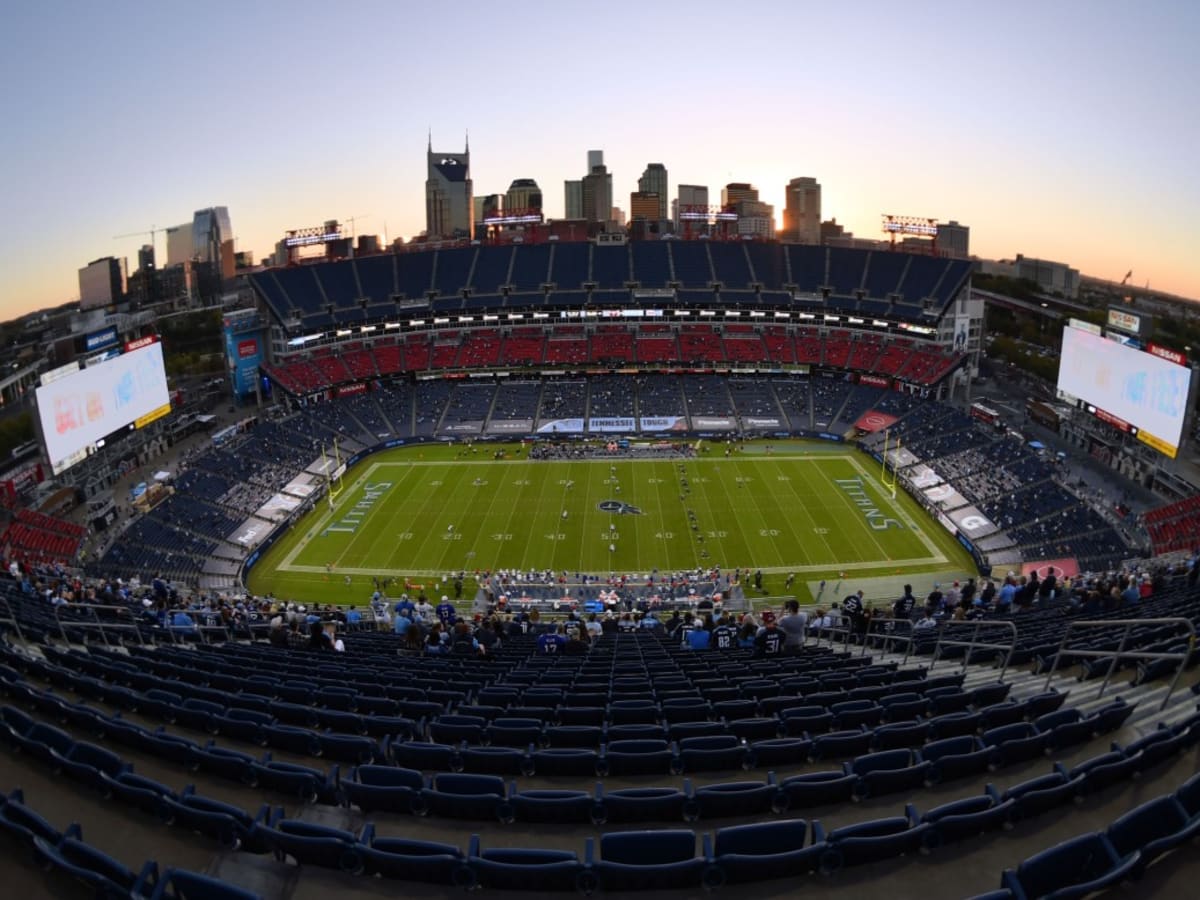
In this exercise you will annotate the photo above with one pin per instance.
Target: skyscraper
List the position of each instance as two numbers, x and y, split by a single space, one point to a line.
802 212
449 201
954 240
179 245
573 199
212 240
523 194
597 193
736 191
101 282
654 180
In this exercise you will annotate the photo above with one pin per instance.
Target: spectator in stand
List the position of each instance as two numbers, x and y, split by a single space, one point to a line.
577 644
436 641
988 594
1146 588
903 608
953 596
769 641
934 601
968 594
1006 595
927 621
1131 595
552 642
724 635
463 642
403 622
445 612
317 638
854 611
698 637
1046 588
424 609
595 629
793 624
747 633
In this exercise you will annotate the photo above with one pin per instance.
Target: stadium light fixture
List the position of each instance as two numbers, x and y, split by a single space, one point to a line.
391 325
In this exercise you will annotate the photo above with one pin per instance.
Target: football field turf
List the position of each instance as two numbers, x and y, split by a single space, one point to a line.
816 510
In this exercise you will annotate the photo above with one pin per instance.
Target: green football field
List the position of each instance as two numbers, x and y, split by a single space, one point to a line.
415 514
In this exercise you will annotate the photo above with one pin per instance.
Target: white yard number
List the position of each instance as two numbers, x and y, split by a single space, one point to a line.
768 532
664 535
556 536
404 536
502 536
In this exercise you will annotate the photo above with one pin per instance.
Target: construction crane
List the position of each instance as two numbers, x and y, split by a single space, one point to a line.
154 229
1125 280
352 219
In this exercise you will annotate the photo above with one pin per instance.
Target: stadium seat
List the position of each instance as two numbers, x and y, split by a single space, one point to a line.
764 850
520 869
383 788
312 844
968 817
886 772
1074 868
648 860
956 757
872 841
413 860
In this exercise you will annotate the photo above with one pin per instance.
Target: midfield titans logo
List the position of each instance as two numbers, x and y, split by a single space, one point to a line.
619 507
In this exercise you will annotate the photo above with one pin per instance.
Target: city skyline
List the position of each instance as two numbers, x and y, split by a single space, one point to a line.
1070 141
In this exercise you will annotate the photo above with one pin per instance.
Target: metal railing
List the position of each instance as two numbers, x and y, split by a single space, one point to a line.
885 633
8 617
975 643
875 635
1121 653
95 622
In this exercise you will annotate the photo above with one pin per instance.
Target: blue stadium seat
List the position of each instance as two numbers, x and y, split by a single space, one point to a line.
105 876
785 751
900 734
887 771
968 817
1074 868
709 754
764 850
231 827
648 860
641 804
872 841
386 788
465 796
815 789
1043 793
736 798
1152 829
179 884
956 757
312 844
413 860
636 757
553 806
520 869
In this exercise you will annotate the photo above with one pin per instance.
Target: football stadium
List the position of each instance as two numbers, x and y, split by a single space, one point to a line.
605 566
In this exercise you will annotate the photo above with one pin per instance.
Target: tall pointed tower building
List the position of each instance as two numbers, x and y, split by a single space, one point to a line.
449 200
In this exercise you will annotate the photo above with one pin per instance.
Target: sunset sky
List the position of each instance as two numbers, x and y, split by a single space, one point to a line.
1066 130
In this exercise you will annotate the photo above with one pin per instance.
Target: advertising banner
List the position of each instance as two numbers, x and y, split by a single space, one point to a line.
873 420
713 423
510 426
945 497
611 424
662 423
973 523
561 426
760 423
